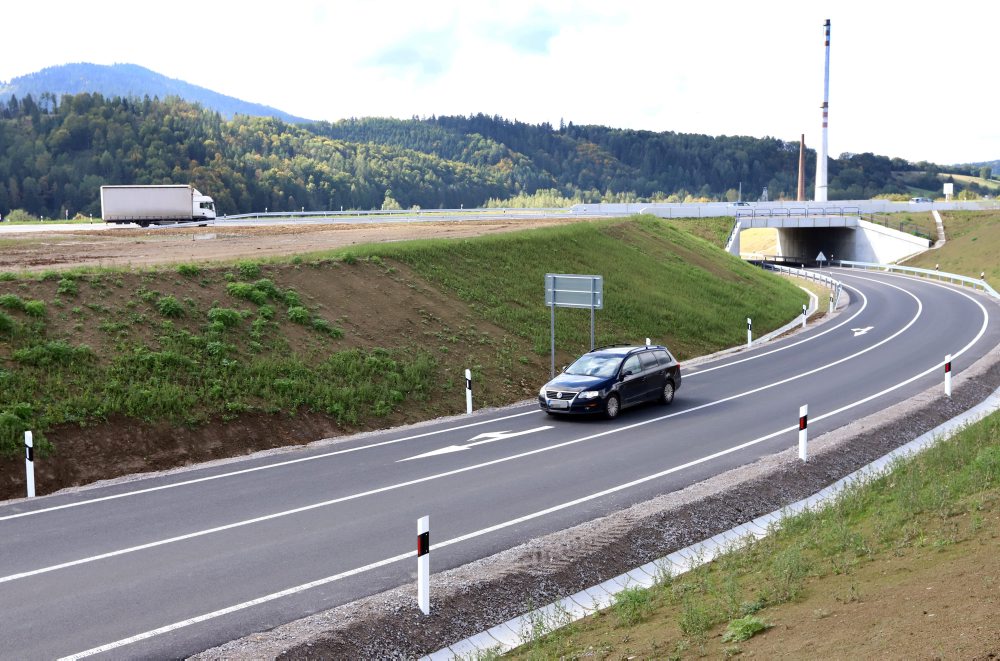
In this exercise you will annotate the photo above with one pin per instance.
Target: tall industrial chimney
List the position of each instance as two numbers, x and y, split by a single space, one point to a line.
801 197
823 154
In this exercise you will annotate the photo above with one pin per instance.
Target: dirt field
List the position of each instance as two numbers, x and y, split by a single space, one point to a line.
35 251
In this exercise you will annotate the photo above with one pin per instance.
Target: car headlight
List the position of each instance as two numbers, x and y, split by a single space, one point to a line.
541 392
589 394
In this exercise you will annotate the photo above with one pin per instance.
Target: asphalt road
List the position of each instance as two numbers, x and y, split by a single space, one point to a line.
171 565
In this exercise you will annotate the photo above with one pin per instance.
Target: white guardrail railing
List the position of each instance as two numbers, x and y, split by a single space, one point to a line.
933 274
834 284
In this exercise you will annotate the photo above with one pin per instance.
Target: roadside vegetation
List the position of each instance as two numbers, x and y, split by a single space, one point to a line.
973 243
934 520
360 339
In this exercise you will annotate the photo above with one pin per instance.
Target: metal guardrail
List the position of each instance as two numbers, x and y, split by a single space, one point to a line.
953 278
374 213
772 212
815 276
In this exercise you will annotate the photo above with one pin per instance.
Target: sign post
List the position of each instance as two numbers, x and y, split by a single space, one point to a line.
572 291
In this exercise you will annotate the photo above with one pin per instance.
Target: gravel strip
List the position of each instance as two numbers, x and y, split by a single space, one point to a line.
482 594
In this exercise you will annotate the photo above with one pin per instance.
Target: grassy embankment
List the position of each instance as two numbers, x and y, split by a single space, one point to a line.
863 578
973 243
365 337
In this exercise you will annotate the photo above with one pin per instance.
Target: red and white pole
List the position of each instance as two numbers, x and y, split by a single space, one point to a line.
423 565
803 432
947 375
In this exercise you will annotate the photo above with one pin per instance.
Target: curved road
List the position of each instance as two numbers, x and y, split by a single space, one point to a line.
168 566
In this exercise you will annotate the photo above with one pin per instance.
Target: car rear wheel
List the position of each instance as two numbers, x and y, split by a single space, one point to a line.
667 395
612 406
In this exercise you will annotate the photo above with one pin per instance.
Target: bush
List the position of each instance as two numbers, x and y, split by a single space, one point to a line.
34 308
68 287
227 317
6 323
7 276
58 352
169 306
248 270
20 216
744 628
324 326
299 314
11 302
189 270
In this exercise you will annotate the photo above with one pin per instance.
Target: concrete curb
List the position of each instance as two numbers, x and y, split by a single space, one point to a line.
520 630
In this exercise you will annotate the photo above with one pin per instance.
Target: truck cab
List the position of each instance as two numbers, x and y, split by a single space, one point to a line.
204 207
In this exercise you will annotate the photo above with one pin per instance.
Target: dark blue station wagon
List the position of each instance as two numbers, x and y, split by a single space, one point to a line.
608 379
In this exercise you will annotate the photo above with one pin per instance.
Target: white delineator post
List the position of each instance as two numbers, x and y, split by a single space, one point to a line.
423 565
29 462
749 331
804 315
947 375
831 301
803 432
647 342
468 392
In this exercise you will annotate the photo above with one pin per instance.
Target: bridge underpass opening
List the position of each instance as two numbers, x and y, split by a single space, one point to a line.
806 244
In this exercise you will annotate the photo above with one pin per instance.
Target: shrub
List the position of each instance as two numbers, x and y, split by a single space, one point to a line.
169 306
299 314
68 287
11 302
20 216
58 352
227 317
7 276
189 270
291 298
266 312
744 628
34 308
6 323
248 270
324 326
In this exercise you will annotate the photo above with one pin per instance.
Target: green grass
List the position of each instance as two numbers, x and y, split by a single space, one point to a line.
973 243
693 297
934 500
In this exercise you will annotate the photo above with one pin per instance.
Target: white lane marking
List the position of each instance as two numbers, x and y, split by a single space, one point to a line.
465 469
487 437
259 468
455 540
861 331
705 370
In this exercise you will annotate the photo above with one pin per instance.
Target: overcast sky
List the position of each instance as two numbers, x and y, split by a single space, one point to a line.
909 79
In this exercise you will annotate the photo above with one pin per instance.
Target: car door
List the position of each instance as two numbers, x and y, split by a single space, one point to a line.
633 385
654 373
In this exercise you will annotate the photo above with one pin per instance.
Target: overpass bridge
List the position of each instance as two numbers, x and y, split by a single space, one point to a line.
833 232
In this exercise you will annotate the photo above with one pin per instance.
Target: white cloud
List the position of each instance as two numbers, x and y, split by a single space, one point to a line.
908 79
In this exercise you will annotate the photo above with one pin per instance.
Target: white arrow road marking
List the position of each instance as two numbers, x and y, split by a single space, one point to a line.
861 331
487 437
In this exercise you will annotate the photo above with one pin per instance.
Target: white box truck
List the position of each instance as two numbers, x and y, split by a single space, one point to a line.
155 205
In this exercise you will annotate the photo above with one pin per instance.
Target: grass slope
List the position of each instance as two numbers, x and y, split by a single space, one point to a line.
660 281
972 247
806 585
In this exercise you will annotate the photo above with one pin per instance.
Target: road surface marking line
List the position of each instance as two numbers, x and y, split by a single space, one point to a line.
257 468
864 304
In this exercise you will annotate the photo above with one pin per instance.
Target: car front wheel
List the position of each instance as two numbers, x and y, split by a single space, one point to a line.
612 406
667 395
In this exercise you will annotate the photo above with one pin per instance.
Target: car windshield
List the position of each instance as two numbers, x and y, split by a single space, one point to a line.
598 364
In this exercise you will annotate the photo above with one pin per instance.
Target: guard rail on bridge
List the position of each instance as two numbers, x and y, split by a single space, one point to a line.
784 212
953 278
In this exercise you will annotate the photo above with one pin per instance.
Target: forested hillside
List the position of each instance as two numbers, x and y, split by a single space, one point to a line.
55 156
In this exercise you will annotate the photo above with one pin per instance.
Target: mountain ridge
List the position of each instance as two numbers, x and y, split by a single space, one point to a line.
131 80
